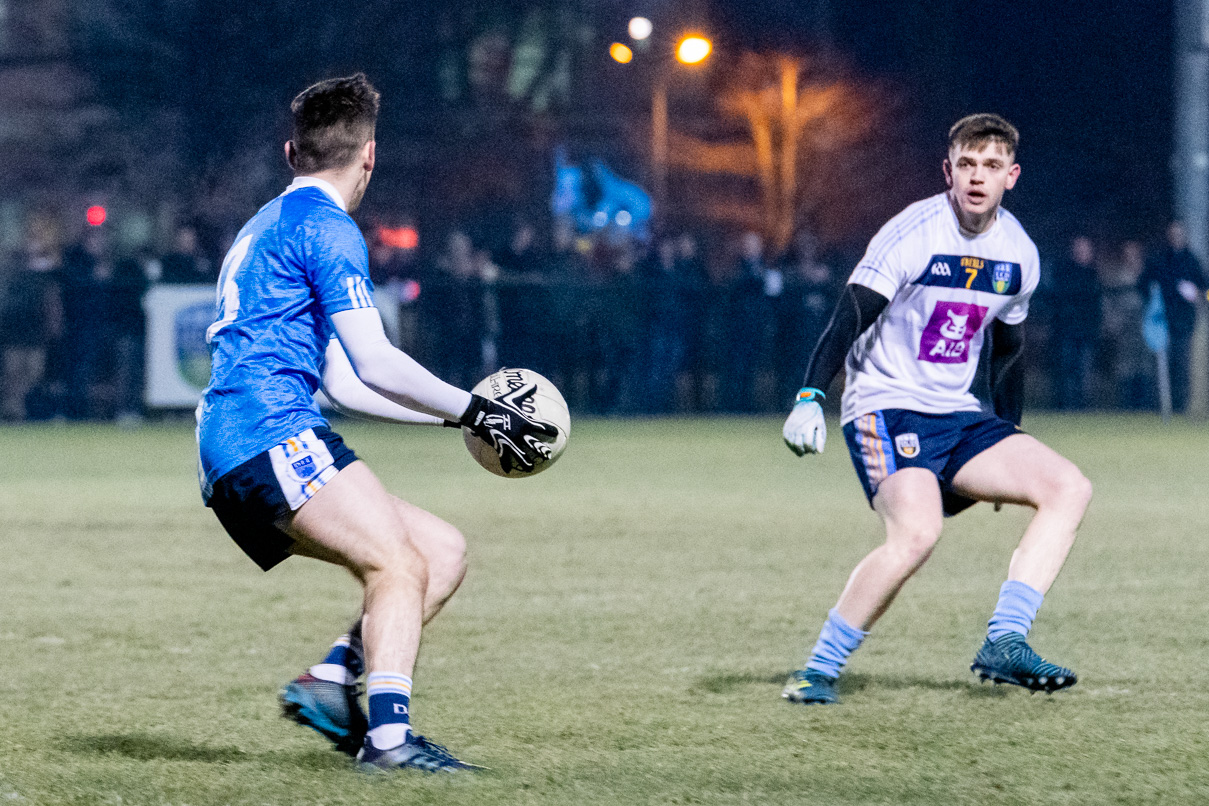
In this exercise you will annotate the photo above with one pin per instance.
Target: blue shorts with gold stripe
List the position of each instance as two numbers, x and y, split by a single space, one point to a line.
886 441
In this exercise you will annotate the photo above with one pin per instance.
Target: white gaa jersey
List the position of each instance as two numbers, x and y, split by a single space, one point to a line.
945 289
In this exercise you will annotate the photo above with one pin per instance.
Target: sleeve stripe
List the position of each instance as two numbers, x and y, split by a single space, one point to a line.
358 294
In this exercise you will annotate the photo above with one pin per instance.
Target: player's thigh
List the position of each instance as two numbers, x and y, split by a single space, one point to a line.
352 521
909 503
441 543
1022 470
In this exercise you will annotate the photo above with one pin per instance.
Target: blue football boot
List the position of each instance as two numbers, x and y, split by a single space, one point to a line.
330 708
416 753
811 687
1011 660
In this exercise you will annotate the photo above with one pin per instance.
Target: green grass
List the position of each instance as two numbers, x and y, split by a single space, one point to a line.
622 637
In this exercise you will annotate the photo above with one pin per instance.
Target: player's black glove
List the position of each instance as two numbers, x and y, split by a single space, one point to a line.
519 439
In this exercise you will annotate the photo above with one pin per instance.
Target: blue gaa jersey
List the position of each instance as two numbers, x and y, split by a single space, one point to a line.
298 261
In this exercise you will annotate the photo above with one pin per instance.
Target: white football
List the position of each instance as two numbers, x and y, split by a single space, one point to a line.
545 403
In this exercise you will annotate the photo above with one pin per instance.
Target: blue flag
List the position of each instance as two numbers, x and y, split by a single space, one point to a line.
1154 322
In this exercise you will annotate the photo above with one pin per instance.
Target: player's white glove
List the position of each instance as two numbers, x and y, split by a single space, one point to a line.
805 431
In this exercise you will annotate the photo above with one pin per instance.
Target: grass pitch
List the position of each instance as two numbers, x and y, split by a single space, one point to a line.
623 635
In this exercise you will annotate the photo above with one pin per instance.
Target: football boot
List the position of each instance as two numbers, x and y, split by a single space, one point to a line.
1011 660
329 708
811 687
416 753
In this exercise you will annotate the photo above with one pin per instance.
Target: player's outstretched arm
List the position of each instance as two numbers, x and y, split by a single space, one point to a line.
858 307
392 373
350 396
1007 371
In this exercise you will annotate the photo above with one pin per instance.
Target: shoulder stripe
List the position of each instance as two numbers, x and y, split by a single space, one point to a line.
900 232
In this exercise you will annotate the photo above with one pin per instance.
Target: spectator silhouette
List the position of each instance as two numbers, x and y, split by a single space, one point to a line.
32 321
1181 281
1076 321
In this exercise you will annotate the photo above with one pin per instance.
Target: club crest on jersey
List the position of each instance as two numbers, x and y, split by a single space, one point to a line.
907 445
1001 277
947 337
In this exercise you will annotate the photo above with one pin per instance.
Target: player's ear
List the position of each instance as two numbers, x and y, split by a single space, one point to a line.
947 167
290 154
1012 176
367 155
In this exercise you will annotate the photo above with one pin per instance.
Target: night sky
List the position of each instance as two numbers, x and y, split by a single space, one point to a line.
1087 83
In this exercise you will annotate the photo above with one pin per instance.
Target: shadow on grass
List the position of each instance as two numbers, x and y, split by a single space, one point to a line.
725 682
859 682
147 747
161 747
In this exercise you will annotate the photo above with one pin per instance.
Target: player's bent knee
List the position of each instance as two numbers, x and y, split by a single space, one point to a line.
393 561
1069 489
447 557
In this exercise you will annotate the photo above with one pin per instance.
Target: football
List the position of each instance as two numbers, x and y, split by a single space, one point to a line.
534 395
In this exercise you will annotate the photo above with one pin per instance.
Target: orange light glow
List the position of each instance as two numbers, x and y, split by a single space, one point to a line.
693 49
399 237
620 53
95 215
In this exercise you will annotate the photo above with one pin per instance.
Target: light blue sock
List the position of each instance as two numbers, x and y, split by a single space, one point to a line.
1018 606
837 640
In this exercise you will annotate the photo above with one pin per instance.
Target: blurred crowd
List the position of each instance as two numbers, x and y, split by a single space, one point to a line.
1093 308
622 327
72 324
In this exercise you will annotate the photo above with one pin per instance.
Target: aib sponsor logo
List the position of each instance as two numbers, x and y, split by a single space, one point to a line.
947 336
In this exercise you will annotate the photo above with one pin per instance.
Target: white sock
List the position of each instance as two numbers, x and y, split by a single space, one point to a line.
333 673
389 735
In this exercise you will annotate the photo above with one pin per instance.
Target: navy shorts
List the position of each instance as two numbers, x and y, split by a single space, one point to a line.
883 442
253 498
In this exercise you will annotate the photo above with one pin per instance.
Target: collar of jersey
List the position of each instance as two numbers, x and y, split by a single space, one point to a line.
957 224
315 182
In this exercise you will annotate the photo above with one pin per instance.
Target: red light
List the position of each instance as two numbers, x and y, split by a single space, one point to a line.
95 215
399 237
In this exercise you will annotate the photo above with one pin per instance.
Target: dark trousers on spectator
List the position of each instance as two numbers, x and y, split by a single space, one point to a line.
1179 353
668 348
1076 352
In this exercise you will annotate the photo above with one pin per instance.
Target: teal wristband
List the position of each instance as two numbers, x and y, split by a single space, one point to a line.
808 394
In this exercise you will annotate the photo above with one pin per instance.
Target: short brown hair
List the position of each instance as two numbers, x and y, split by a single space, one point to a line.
975 131
332 121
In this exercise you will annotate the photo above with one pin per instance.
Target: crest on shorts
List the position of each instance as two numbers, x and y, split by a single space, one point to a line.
907 445
304 468
1001 277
